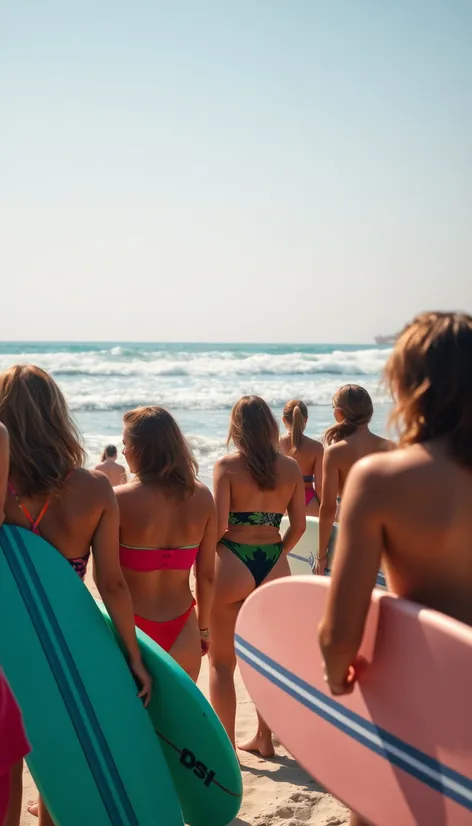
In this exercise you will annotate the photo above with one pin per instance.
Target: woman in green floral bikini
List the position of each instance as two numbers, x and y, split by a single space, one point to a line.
253 487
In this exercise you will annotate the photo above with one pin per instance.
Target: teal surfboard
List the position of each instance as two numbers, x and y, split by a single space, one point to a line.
95 756
200 757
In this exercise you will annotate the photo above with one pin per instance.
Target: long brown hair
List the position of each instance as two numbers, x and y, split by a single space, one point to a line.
255 433
430 377
44 441
296 415
356 406
162 453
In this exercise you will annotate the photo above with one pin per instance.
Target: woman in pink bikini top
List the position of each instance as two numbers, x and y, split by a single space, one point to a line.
167 523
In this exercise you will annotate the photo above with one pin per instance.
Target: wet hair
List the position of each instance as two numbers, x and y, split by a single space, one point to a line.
162 454
356 406
255 433
430 377
44 442
296 415
110 452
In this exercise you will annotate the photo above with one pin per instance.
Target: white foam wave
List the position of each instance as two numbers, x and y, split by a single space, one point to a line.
205 395
130 363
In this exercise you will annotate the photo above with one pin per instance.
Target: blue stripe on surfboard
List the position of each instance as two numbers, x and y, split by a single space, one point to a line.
420 765
300 558
110 792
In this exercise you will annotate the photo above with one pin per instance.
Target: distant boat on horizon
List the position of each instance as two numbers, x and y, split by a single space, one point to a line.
390 340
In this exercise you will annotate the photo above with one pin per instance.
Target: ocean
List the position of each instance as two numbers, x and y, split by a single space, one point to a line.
199 383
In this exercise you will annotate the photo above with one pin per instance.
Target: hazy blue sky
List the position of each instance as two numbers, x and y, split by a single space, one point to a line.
262 170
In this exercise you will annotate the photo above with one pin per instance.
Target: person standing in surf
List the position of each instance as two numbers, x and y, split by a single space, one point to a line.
307 452
346 442
409 508
167 524
51 494
110 467
253 488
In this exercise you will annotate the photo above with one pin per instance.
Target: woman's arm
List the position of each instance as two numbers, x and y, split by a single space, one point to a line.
205 569
358 553
327 507
318 471
111 582
222 493
296 511
4 469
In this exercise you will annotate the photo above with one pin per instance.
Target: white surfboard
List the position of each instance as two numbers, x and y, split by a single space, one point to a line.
302 557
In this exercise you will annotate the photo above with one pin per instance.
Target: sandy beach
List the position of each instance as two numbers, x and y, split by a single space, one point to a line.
276 791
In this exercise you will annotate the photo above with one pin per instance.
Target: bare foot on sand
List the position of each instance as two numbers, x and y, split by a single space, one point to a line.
260 743
33 809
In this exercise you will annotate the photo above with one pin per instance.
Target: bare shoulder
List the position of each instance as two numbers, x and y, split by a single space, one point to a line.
93 482
125 491
315 446
228 464
390 464
204 497
288 466
4 441
334 453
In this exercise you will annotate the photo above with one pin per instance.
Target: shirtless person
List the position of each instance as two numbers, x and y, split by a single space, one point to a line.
308 453
410 508
347 441
110 467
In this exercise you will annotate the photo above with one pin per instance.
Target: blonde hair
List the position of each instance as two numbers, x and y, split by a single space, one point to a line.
44 441
255 433
430 377
162 454
296 415
356 406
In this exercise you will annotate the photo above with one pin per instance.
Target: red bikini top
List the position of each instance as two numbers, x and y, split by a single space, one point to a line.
158 559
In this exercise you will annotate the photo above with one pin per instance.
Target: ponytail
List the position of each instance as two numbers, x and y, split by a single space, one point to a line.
296 415
298 426
338 432
356 406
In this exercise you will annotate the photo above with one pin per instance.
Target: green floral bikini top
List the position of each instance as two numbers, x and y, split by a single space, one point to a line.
255 518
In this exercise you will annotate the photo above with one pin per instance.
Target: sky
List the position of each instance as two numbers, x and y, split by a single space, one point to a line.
233 170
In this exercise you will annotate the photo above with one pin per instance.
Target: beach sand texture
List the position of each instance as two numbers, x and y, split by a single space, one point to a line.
276 791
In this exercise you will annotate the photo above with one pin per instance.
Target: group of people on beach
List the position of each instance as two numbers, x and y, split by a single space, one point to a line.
403 508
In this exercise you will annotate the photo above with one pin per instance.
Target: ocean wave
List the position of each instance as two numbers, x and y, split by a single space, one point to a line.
207 398
119 362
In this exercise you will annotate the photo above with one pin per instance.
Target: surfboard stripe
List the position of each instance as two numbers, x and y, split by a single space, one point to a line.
308 562
425 768
68 680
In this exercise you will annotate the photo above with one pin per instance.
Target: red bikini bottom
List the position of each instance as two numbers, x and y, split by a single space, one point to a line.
164 633
310 494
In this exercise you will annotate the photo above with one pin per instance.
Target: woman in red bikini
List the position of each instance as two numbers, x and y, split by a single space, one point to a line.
307 452
167 523
52 495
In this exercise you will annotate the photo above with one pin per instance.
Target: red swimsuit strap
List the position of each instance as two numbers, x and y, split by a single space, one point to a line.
33 522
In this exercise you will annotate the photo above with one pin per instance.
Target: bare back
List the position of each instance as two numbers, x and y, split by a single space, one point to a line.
309 456
413 509
237 491
72 521
344 454
116 473
151 518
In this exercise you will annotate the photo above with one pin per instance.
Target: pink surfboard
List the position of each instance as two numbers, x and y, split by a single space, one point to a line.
398 751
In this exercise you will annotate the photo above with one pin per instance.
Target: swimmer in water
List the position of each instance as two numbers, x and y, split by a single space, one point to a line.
110 467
